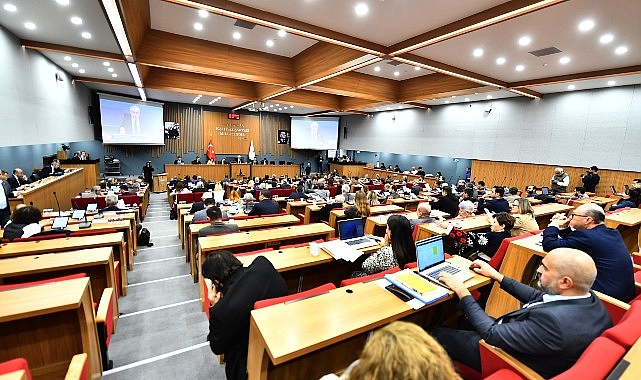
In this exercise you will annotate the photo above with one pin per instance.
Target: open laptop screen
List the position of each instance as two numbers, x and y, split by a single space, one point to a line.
350 228
429 252
545 191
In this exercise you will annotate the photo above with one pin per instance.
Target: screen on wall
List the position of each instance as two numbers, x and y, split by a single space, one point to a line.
127 121
317 133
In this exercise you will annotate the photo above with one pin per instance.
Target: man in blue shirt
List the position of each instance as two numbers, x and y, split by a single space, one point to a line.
494 201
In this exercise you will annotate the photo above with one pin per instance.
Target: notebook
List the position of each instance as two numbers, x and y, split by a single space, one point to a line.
430 257
351 232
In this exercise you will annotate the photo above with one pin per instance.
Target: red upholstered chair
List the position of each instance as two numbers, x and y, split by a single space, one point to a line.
131 199
497 259
505 374
333 190
78 367
243 217
628 329
104 316
375 276
41 237
204 221
292 297
300 244
198 196
415 231
15 365
636 258
185 197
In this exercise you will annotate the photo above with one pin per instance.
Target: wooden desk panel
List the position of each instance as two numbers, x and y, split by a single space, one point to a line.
160 182
65 186
208 172
468 224
240 171
292 171
91 172
324 333
62 324
543 213
338 214
628 222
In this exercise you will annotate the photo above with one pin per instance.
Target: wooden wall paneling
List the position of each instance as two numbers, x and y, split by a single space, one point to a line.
291 171
231 136
523 174
208 172
270 124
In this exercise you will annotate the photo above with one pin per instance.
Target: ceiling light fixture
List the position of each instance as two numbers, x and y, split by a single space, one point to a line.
111 69
361 9
114 75
446 102
197 98
606 38
236 35
76 20
564 60
523 93
85 35
621 50
29 25
611 83
134 73
478 52
74 65
203 13
416 68
62 2
525 40
586 25
10 7
81 71
396 73
282 33
269 43
67 58
519 68
571 87
143 96
113 14
198 26
448 72
500 60
106 63
377 68
467 99
489 97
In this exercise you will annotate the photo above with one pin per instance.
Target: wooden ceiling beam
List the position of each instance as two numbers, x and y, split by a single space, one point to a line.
629 70
184 82
310 99
359 85
433 86
491 16
103 81
137 21
353 104
172 51
44 46
266 91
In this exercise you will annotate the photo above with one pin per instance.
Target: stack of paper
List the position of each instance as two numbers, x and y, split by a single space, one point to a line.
417 286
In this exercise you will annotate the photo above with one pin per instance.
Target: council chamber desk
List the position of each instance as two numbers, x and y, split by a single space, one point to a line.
41 193
628 222
291 171
311 337
48 325
91 170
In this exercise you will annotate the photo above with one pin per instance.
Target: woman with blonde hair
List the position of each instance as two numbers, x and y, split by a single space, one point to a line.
523 212
401 350
234 196
360 208
372 198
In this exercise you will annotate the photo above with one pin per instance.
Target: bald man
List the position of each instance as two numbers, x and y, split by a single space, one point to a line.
423 211
549 332
588 233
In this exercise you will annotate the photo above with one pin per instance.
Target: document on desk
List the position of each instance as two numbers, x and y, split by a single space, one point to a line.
423 290
338 249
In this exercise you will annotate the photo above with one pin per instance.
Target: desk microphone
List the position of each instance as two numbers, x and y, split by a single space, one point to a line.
474 179
58 203
86 223
503 182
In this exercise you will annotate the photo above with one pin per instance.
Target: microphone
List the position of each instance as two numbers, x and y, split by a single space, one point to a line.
85 223
474 179
58 203
502 182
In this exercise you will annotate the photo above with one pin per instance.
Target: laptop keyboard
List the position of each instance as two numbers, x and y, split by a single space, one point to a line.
448 269
357 241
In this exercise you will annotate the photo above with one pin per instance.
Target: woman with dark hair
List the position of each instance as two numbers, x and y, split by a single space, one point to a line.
232 290
632 201
361 206
24 223
398 248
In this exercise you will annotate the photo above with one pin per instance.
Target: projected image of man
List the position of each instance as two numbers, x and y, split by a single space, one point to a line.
131 122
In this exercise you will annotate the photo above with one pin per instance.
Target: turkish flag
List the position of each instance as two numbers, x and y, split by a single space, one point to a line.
211 154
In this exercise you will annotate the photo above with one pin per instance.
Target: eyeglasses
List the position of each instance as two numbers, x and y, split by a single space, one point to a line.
583 216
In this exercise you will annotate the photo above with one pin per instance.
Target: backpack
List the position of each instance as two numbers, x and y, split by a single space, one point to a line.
144 238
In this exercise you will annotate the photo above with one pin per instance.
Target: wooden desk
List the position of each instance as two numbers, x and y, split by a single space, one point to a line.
97 263
544 212
323 334
311 212
160 182
243 225
292 171
374 224
91 171
240 171
41 193
468 224
296 207
114 240
208 172
521 256
633 360
62 323
337 214
601 201
182 209
628 222
407 204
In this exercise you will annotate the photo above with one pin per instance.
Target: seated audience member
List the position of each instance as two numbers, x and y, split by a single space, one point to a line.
179 161
24 222
299 193
217 227
234 196
17 179
513 194
400 350
53 169
531 191
494 201
423 211
447 202
202 214
560 181
420 171
112 203
265 205
124 190
633 200
200 205
550 331
460 186
465 210
398 248
591 179
232 291
372 198
489 242
196 161
523 213
323 213
361 206
468 195
588 233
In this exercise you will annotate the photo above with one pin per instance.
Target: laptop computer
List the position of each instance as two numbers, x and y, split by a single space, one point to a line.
430 257
351 232
545 191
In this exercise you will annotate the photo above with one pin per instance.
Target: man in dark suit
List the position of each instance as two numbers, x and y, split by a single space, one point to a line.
494 201
131 123
615 274
5 194
549 332
217 227
17 179
266 205
53 169
299 193
112 203
447 202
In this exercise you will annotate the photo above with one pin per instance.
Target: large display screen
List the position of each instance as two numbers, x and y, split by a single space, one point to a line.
317 133
127 121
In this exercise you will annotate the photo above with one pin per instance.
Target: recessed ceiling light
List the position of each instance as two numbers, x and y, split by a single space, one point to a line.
106 63
377 68
282 33
446 102
467 99
10 7
29 25
236 35
525 40
277 105
564 60
62 2
571 87
611 83
271 106
269 43
586 25
361 9
621 50
378 109
198 26
489 97
203 13
67 58
519 68
85 35
291 106
453 96
396 73
500 60
111 70
74 65
76 20
606 38
416 68
81 71
114 75
280 109
478 52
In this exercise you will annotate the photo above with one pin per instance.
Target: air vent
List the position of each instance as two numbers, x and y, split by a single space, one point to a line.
393 62
546 51
245 24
